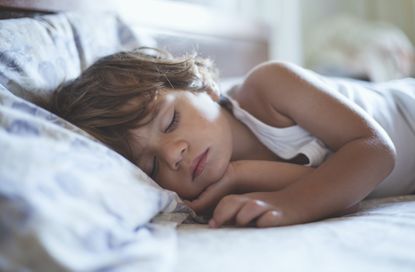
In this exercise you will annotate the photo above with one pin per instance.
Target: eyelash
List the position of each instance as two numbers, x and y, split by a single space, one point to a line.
173 124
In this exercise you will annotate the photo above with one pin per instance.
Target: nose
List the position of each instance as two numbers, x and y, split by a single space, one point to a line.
174 153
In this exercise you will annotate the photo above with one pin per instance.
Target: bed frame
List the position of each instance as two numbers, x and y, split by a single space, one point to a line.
236 44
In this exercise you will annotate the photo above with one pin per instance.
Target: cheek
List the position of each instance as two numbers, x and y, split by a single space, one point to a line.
220 155
176 184
165 181
219 163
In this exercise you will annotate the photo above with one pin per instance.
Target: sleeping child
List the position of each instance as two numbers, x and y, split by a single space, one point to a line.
284 146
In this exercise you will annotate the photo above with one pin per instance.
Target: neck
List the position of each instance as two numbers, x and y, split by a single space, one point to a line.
245 144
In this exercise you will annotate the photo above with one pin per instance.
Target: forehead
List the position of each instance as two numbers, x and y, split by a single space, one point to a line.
151 108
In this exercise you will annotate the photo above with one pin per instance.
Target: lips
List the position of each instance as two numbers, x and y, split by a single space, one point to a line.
199 164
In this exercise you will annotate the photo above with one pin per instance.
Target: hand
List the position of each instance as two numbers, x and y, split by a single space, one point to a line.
247 176
253 209
265 209
208 199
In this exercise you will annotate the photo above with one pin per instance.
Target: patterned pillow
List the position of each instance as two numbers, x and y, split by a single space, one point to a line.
37 54
67 202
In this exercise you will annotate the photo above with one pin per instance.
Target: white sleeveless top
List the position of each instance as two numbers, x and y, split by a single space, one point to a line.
391 104
285 142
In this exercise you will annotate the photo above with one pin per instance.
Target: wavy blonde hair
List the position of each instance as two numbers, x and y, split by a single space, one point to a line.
119 92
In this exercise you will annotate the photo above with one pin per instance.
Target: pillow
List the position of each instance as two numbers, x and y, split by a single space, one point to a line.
38 54
109 36
65 195
67 202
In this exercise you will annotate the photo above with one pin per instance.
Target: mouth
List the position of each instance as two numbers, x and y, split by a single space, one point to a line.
199 164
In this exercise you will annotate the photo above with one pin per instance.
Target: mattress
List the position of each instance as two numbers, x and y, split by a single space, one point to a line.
378 237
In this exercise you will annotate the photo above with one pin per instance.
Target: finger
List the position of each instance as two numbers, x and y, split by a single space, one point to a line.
271 218
227 209
251 210
209 198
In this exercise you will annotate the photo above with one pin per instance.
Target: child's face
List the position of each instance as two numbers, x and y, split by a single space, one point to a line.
187 126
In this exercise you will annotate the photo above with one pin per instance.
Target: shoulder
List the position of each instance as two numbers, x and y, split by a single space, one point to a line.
271 69
273 82
280 79
253 96
288 88
274 68
302 96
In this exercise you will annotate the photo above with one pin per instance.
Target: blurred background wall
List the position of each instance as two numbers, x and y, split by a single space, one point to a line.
300 27
291 20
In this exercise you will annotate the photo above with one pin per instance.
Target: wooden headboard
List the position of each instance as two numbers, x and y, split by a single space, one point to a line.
235 43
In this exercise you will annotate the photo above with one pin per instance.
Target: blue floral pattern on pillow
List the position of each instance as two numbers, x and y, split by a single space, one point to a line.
83 198
38 54
22 127
67 202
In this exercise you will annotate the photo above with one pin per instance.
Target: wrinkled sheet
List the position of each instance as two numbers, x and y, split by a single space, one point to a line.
379 237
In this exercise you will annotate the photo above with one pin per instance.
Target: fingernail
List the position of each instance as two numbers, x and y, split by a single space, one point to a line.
212 223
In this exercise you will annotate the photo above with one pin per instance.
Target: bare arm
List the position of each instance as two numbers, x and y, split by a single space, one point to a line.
249 176
265 176
364 154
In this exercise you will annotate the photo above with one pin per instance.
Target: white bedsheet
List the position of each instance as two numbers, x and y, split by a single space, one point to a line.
379 237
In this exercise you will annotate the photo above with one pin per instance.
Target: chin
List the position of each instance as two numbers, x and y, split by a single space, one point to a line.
219 169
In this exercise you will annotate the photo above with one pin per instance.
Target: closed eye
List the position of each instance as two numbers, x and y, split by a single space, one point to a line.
174 122
172 126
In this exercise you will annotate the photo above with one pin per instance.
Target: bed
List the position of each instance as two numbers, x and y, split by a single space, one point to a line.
68 203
